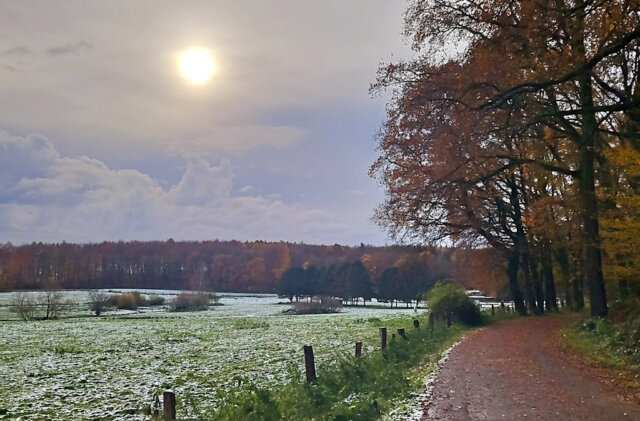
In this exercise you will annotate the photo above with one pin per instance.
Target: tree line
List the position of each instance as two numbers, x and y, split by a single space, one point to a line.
232 266
517 127
350 281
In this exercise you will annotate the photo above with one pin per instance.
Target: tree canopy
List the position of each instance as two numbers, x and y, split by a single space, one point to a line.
501 123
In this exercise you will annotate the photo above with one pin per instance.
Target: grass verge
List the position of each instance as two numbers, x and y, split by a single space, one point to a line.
351 389
611 343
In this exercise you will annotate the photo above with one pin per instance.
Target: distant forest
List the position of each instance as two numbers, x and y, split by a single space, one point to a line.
234 266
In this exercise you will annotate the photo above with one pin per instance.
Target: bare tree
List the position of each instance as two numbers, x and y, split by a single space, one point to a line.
51 300
98 301
23 305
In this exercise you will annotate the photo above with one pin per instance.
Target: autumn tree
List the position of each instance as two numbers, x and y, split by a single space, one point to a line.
621 222
521 69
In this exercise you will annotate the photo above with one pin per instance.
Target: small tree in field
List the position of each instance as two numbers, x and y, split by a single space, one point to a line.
51 300
98 301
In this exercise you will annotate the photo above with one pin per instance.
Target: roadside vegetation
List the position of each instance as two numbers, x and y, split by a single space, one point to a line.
367 387
449 301
351 389
612 342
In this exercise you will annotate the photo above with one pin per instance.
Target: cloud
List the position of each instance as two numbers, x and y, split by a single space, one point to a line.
20 51
46 196
247 188
76 48
203 184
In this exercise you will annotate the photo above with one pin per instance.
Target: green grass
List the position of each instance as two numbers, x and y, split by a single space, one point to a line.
611 343
351 389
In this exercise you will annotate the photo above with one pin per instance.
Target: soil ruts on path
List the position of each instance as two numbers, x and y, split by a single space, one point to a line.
517 370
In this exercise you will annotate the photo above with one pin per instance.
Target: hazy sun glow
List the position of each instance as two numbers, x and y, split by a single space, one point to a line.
196 65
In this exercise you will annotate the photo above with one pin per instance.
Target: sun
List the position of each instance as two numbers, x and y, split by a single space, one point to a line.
196 65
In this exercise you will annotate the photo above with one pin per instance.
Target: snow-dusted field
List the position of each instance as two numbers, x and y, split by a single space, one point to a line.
112 366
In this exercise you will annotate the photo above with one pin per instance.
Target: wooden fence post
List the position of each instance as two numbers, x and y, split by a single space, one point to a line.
383 338
493 310
358 349
401 332
309 363
416 323
169 405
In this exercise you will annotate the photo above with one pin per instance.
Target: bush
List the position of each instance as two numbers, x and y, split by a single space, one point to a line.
23 305
113 299
323 305
449 301
155 300
190 301
98 301
140 299
127 302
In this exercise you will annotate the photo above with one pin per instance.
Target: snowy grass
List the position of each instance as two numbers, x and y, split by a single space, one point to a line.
113 365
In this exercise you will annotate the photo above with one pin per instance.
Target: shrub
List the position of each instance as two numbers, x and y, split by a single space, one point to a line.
323 305
140 299
447 300
190 301
98 301
23 305
155 300
113 299
127 302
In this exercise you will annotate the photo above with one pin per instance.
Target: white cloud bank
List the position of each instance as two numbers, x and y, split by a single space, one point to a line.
45 196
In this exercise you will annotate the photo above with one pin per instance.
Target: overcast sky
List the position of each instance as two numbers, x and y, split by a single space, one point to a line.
101 138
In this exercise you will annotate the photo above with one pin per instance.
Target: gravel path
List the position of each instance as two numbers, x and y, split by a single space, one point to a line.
517 370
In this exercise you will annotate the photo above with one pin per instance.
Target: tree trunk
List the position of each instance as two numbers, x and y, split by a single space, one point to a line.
562 258
586 178
537 284
529 292
592 254
578 295
550 299
514 286
521 245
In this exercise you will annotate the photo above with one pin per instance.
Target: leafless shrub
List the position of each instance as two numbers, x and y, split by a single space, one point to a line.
319 305
98 301
190 301
23 305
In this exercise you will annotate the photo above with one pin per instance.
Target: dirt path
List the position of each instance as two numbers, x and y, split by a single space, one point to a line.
516 369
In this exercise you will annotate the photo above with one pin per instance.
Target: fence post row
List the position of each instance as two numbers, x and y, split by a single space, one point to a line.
309 363
169 398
